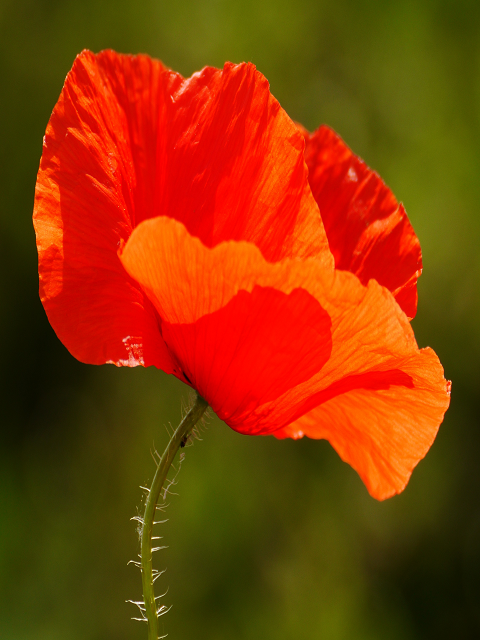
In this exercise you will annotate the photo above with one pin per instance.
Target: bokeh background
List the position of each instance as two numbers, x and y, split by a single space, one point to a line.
267 539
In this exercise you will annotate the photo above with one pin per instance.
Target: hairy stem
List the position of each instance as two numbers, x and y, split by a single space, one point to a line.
181 433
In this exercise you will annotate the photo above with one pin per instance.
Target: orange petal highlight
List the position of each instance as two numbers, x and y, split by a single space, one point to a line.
200 296
382 429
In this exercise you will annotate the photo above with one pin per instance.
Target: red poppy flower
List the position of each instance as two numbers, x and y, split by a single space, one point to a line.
179 226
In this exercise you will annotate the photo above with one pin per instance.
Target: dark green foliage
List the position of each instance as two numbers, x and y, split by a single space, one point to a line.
268 540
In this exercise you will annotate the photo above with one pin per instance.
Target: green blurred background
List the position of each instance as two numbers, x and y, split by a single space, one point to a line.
267 539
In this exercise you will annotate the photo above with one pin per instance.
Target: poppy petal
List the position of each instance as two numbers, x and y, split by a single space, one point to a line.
257 347
333 336
230 166
368 231
86 195
129 140
379 427
241 341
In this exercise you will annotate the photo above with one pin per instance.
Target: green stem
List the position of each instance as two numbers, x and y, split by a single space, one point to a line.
182 432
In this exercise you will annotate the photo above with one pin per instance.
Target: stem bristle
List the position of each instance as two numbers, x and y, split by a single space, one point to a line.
184 433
